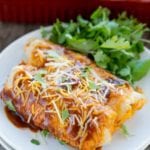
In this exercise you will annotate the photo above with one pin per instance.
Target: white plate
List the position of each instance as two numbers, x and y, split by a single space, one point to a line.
19 139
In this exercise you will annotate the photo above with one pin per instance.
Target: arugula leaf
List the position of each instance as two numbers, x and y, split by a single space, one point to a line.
10 105
124 130
139 68
35 142
45 133
64 114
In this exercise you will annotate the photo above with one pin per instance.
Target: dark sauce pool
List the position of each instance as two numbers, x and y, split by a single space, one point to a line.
18 121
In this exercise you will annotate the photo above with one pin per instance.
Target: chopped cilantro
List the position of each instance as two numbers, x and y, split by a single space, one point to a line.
86 71
53 54
44 133
38 77
10 105
42 72
64 114
63 79
61 142
124 131
69 87
92 85
35 142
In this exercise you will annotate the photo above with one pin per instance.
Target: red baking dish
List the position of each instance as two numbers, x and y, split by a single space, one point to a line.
46 11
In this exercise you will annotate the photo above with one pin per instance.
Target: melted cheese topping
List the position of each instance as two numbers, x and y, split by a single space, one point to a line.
64 84
62 78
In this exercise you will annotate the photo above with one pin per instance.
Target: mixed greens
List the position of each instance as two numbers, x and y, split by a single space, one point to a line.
114 44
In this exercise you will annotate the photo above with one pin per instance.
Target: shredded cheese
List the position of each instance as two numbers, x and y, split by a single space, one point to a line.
62 73
58 113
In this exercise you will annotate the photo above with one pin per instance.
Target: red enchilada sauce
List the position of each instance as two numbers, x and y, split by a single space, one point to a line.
18 121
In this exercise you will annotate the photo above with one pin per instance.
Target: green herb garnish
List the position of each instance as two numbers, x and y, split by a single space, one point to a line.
10 105
42 72
92 85
124 131
61 142
38 77
86 71
44 133
35 142
69 87
63 79
64 114
53 54
113 43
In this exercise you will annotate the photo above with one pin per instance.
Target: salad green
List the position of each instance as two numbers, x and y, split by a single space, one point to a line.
114 44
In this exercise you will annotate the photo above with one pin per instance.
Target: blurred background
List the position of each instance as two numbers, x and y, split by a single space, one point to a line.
18 17
46 11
